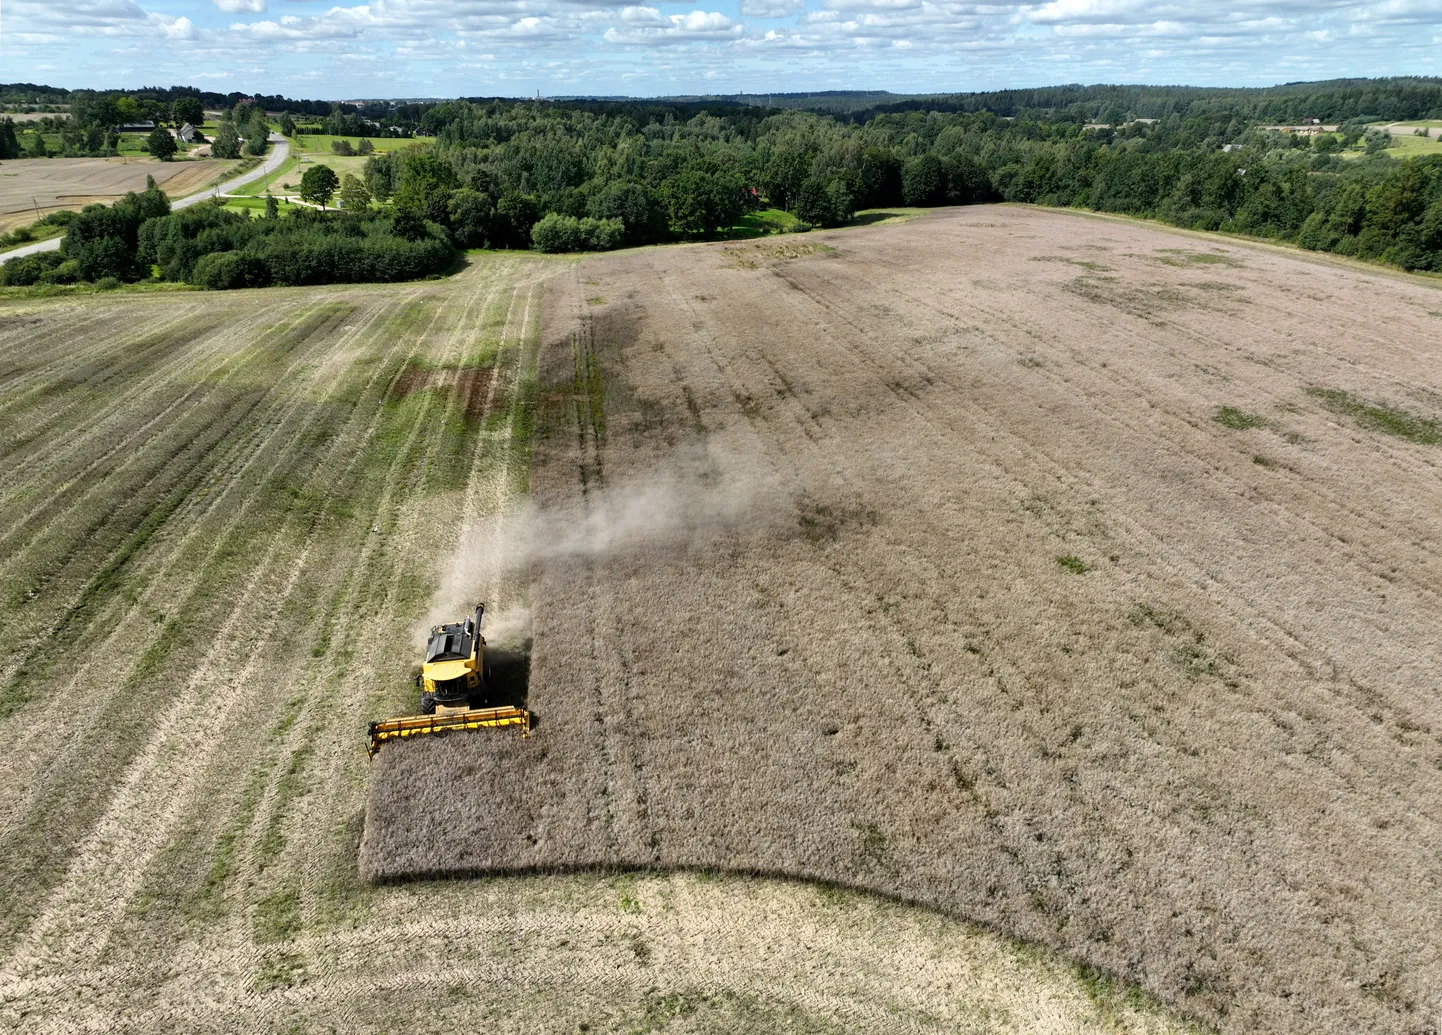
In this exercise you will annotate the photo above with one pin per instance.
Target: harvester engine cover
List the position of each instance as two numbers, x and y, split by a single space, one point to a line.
453 669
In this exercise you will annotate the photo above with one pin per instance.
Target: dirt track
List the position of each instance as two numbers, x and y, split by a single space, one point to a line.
996 614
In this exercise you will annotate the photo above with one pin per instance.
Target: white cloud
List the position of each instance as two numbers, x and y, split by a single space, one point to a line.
99 18
772 8
646 26
923 45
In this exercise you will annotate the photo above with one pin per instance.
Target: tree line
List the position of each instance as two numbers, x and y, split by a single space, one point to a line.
589 175
668 172
140 238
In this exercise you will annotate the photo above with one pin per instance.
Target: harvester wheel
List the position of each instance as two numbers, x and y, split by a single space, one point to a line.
428 704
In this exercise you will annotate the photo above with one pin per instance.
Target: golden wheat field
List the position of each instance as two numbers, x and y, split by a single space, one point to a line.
1067 575
29 186
224 517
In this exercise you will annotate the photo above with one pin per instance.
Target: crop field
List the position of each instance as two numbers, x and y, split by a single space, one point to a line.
56 183
1067 574
224 518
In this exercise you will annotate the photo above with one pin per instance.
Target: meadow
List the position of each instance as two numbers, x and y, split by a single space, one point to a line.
1058 572
225 519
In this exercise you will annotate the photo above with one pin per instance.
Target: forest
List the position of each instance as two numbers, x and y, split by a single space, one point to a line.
692 171
591 175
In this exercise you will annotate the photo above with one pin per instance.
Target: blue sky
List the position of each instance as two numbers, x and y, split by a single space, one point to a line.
408 48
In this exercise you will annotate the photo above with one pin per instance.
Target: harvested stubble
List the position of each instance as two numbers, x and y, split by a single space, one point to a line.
197 618
56 183
1204 759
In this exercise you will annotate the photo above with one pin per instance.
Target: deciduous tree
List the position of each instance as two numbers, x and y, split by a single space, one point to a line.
319 184
161 144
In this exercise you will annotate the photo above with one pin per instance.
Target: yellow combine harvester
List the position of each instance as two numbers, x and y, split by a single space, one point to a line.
453 675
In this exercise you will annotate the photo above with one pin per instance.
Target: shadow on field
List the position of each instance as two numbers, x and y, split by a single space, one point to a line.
867 218
508 677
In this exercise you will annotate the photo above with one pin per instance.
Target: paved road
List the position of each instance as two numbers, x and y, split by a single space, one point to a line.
270 165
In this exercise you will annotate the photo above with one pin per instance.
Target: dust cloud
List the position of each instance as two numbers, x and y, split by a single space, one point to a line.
689 495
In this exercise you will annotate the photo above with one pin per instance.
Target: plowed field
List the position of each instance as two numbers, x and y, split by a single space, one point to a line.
222 519
1068 574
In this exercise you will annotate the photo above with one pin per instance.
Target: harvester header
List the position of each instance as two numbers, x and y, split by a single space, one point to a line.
454 683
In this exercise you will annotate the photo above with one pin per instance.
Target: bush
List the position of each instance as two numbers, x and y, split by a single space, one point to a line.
222 271
107 258
558 233
472 215
516 213
29 269
637 206
923 181
825 203
107 284
161 144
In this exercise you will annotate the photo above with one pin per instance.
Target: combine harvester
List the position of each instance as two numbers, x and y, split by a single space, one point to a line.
454 673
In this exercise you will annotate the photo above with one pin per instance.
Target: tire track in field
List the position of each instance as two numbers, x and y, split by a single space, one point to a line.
241 448
244 450
187 362
1283 637
356 454
159 467
144 807
83 375
243 453
212 354
60 333
328 734
929 709
36 469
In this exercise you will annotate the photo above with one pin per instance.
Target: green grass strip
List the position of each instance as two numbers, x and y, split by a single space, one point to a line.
1379 417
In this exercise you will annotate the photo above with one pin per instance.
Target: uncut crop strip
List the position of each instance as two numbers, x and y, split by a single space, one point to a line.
1187 443
1021 454
1113 753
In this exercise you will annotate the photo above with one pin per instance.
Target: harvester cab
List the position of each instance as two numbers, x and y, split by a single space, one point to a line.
452 678
453 671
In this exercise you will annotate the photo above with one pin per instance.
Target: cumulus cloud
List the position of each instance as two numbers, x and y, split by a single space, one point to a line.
98 18
649 27
772 8
903 44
